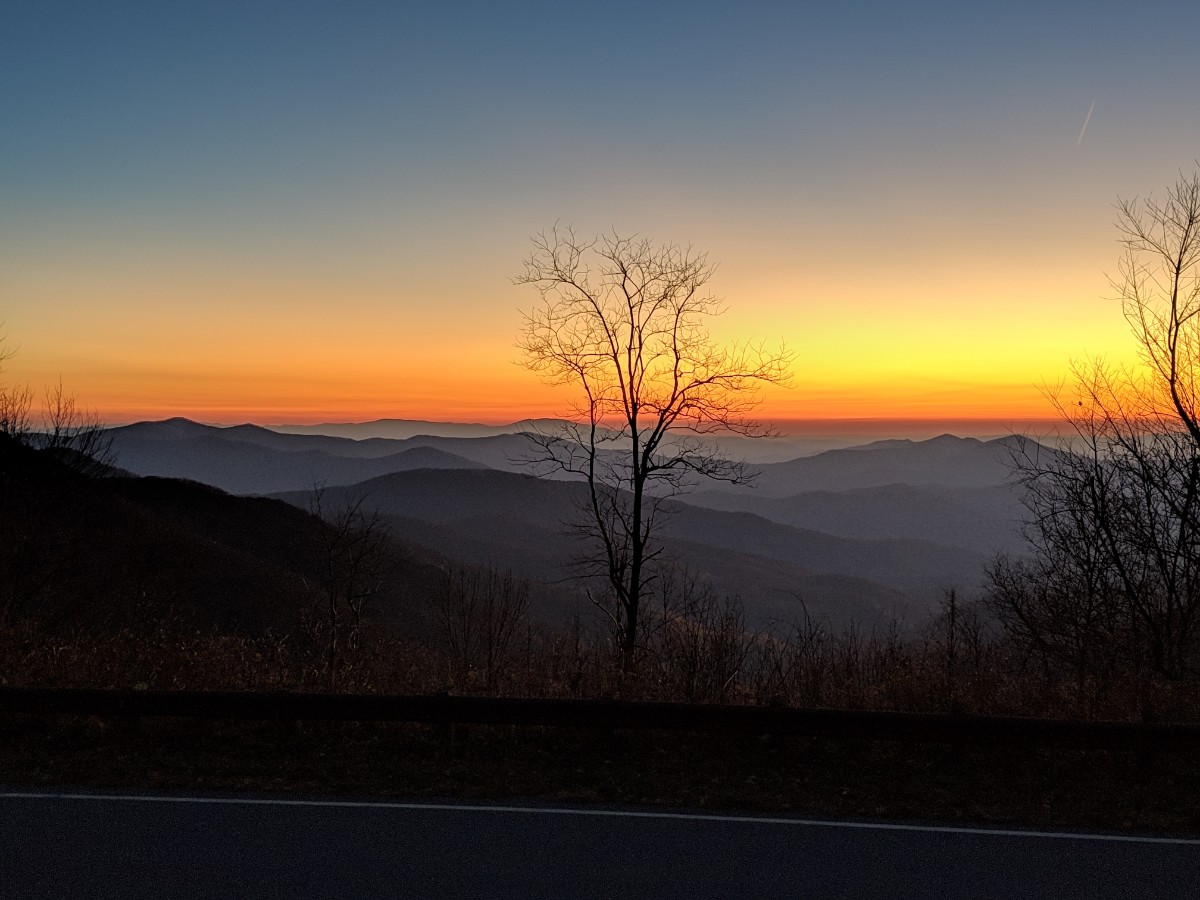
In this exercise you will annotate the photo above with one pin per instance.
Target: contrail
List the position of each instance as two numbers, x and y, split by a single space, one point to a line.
1086 119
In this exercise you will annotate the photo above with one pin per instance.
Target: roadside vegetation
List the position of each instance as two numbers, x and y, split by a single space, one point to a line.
704 657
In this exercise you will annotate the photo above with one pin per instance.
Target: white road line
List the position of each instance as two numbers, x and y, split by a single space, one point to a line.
611 813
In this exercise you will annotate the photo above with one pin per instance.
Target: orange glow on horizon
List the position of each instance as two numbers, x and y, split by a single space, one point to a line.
492 389
283 403
256 346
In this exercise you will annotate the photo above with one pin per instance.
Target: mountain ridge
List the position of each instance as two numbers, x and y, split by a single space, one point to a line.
492 510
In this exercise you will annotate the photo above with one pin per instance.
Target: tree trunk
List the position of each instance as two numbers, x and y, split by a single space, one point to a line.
629 644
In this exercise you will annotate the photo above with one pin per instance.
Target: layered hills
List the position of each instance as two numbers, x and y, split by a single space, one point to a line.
854 533
523 522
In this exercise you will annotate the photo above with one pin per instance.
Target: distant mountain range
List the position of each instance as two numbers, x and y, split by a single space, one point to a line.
520 521
776 448
858 533
945 461
403 429
247 459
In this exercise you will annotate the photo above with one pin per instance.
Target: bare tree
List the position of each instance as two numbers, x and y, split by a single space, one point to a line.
14 402
479 612
701 642
1159 287
73 434
1114 514
625 322
356 555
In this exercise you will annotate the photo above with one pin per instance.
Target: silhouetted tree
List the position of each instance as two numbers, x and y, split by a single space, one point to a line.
356 553
624 321
701 642
74 435
479 612
14 401
1159 287
1114 514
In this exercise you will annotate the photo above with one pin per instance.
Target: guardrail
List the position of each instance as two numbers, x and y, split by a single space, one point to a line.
604 715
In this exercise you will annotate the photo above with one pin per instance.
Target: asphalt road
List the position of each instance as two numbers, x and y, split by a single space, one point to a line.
131 846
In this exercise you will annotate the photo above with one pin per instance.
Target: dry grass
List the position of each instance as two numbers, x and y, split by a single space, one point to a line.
846 669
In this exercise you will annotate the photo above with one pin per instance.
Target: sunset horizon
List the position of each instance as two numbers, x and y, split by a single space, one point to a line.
869 427
182 237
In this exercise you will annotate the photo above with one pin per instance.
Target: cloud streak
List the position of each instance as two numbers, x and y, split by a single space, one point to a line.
1086 119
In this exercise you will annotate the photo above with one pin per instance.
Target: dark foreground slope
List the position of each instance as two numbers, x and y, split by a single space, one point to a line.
84 552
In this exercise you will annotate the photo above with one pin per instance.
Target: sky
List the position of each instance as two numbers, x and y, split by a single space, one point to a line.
303 212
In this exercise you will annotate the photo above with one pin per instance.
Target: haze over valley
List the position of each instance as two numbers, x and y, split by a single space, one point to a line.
868 534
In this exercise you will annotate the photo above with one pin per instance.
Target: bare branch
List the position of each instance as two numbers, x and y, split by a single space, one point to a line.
625 321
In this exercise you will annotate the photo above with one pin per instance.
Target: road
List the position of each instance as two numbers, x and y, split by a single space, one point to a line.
84 845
